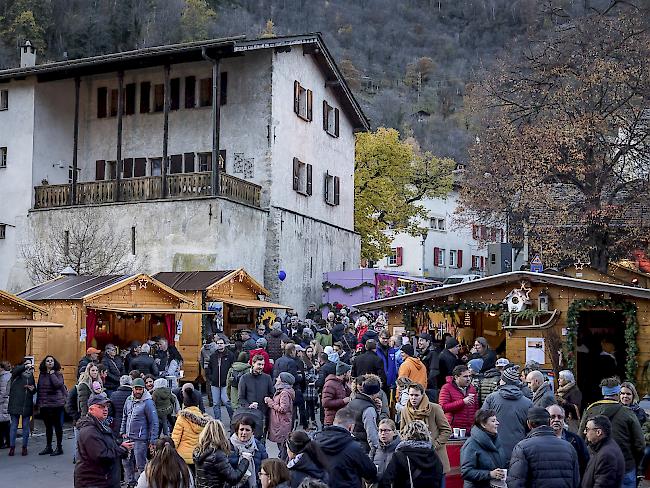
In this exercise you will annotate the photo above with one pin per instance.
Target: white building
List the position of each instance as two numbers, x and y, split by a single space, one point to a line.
449 247
280 115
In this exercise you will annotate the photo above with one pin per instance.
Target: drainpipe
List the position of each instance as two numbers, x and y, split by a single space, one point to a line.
216 120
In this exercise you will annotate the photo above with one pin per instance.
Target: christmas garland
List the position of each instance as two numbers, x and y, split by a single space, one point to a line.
629 310
449 309
327 285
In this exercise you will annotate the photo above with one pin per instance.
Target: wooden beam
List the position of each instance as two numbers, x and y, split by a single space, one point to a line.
165 158
216 125
120 113
75 143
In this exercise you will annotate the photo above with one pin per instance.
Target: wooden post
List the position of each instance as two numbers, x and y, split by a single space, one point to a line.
216 124
165 158
120 112
75 143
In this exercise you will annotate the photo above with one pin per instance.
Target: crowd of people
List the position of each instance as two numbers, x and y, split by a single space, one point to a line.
347 405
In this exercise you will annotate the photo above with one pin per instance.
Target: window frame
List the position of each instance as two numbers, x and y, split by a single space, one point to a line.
4 100
4 151
102 102
453 258
3 231
300 167
330 119
302 101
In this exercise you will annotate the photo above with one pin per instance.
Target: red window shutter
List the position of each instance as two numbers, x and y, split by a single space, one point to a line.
296 97
325 111
309 175
482 262
436 256
337 190
296 174
399 253
459 258
336 122
309 105
475 234
483 232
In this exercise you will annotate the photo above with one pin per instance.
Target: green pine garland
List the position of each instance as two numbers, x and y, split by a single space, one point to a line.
629 310
328 285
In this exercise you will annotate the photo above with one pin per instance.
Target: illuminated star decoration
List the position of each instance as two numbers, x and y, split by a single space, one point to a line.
579 265
525 291
143 283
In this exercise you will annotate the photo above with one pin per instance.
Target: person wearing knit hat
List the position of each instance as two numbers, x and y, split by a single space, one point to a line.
287 378
412 367
475 365
448 360
511 407
342 368
281 411
336 392
364 405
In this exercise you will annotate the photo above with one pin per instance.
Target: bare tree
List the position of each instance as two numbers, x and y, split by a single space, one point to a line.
81 241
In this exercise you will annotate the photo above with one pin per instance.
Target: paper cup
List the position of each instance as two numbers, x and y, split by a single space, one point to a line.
456 432
463 432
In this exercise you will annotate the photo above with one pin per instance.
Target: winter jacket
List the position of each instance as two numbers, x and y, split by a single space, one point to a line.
306 467
196 396
259 455
369 363
480 454
285 364
489 359
325 370
281 413
447 362
214 471
20 398
431 359
639 412
118 399
145 364
414 465
268 365
324 338
205 353
189 425
384 454
218 366
415 370
543 460
254 388
348 463
387 356
452 401
51 390
274 343
112 381
140 419
232 382
98 456
488 383
334 393
511 407
163 399
349 342
543 397
337 332
580 448
365 421
5 378
569 397
83 394
626 430
369 335
606 466
432 415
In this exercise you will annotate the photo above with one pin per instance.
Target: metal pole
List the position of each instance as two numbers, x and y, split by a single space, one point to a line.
75 144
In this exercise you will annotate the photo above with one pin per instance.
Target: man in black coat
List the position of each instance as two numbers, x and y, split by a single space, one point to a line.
607 466
219 364
327 368
369 363
113 371
98 457
144 363
430 356
347 463
118 399
448 360
557 424
287 362
541 459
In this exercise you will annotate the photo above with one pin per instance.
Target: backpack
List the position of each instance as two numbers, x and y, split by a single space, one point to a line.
71 406
236 376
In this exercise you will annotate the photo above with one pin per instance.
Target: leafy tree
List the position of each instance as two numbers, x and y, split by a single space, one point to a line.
196 19
269 28
391 177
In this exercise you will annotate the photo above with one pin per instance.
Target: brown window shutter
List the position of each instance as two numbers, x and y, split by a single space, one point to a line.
309 105
325 106
399 254
309 174
337 190
296 97
459 259
296 174
102 100
436 256
100 171
327 186
336 122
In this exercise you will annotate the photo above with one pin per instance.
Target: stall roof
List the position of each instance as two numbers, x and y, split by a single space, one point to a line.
26 324
247 303
191 280
157 310
22 302
70 287
502 279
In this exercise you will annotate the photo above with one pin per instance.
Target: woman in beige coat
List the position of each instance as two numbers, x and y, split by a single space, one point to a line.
420 408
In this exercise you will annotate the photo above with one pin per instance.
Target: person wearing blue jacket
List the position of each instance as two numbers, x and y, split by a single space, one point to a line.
388 355
481 457
140 426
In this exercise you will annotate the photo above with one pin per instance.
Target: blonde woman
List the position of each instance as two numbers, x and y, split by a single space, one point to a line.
85 386
211 459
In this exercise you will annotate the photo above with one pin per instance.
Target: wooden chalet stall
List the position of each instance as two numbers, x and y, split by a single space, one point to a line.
233 296
20 322
98 310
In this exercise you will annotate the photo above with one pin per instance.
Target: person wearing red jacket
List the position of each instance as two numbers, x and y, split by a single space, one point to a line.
459 399
261 350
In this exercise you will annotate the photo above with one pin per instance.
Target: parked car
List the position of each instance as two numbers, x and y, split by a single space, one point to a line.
461 278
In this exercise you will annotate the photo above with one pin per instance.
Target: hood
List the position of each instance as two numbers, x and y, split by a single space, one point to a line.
194 416
510 392
160 383
609 408
307 465
491 373
145 396
237 366
420 453
415 362
163 393
333 440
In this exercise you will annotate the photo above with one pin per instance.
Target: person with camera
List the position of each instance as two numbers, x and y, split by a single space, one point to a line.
21 403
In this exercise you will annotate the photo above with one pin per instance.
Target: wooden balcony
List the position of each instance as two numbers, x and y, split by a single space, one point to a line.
182 185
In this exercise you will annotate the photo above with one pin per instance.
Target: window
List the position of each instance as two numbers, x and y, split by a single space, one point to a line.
190 92
140 167
302 174
332 189
452 259
129 99
396 256
476 262
111 166
3 231
158 98
3 157
156 166
205 161
438 256
114 97
302 101
70 173
189 163
493 258
174 94
437 223
330 119
4 99
127 168
176 163
133 240
100 170
145 97
66 243
205 92
102 100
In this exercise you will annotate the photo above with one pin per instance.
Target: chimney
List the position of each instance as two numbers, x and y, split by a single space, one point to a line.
27 55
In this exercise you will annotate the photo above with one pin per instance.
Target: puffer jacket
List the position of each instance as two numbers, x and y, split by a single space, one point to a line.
606 466
369 363
140 419
415 370
414 465
543 460
626 430
118 399
189 425
458 413
20 398
281 413
488 383
145 364
51 390
83 394
232 382
480 454
511 407
214 471
274 343
335 391
306 467
383 455
163 399
5 378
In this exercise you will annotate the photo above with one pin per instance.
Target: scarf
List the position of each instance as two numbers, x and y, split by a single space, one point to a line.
541 391
563 390
251 447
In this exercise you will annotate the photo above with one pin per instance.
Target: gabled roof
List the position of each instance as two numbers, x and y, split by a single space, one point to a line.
191 280
192 52
70 287
503 279
21 302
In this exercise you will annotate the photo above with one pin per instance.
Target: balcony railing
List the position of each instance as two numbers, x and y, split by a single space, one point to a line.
182 185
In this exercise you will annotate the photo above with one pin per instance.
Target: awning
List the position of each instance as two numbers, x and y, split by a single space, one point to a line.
246 303
150 310
26 324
